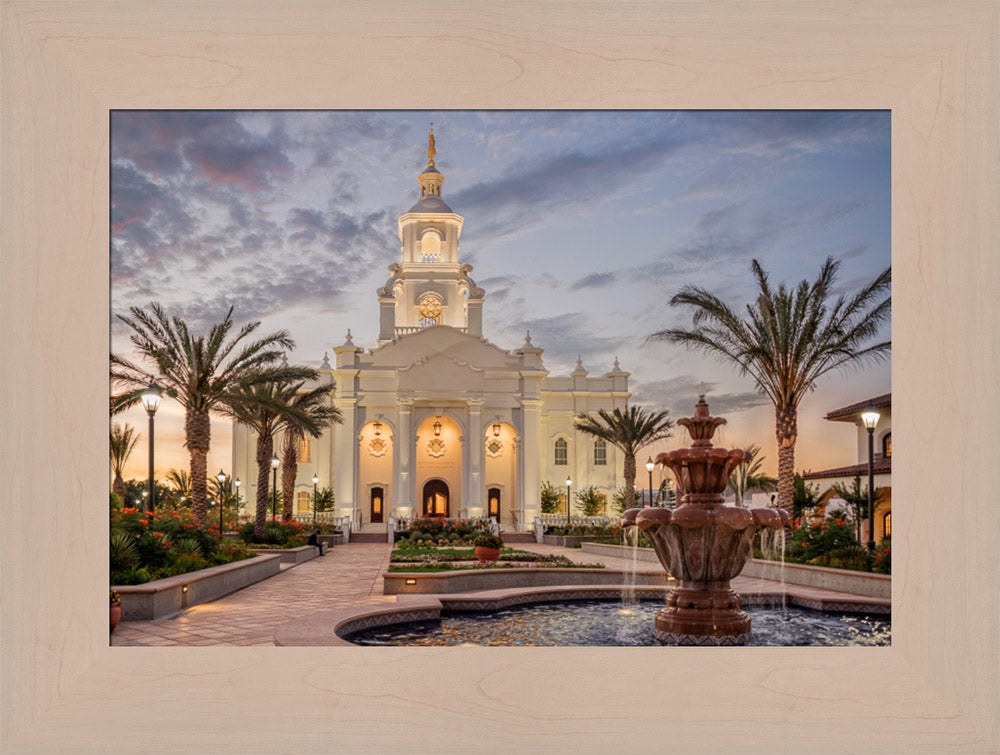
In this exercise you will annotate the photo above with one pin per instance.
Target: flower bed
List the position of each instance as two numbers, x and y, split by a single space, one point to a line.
146 546
429 532
455 559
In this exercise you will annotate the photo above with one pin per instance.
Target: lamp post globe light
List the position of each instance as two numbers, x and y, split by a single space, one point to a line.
870 419
649 468
221 477
568 483
274 489
151 398
236 513
315 483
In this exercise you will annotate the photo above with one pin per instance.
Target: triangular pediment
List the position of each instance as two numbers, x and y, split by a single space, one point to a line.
451 344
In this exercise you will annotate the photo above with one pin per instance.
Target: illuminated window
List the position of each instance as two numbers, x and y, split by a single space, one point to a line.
305 449
430 247
887 524
302 502
887 445
429 309
600 453
562 455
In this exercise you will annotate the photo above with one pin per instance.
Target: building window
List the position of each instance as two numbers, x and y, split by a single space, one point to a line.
887 445
562 456
302 502
429 309
600 453
305 449
430 247
887 524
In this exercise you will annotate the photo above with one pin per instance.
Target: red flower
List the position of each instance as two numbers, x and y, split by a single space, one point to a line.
143 522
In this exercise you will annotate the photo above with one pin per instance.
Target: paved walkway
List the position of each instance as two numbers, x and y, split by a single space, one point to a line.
348 575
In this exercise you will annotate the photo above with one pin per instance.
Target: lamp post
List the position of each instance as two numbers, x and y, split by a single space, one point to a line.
151 398
649 468
221 477
274 489
870 419
568 483
315 482
236 512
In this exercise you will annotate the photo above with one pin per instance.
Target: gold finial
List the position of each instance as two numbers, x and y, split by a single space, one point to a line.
430 148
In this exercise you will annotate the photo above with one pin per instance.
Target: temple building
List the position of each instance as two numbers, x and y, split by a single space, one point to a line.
437 420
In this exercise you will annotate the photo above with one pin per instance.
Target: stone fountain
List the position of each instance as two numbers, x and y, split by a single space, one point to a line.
703 543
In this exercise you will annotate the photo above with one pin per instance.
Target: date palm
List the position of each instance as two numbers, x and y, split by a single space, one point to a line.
748 475
268 408
627 431
788 339
123 441
315 404
180 481
197 371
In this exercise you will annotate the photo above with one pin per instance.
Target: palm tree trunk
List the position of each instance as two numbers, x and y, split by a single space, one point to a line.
786 430
118 488
289 470
198 433
629 480
265 447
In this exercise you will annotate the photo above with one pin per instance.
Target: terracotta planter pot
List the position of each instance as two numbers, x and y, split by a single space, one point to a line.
116 615
487 554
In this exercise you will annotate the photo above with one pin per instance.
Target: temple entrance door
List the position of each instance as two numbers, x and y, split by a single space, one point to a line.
493 497
376 509
436 498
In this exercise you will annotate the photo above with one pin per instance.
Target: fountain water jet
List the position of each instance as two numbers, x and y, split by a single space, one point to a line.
703 543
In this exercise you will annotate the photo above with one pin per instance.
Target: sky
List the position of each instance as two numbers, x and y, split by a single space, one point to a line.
580 226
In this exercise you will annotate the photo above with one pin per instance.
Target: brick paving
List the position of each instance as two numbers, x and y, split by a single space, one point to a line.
348 575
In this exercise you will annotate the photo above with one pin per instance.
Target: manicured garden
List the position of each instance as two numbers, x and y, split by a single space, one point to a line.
145 546
832 543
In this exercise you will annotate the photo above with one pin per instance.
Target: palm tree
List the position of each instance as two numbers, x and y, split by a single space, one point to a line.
314 404
199 372
180 481
788 340
748 475
123 440
628 431
267 408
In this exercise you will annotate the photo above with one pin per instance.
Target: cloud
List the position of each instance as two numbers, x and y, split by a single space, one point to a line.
679 395
594 280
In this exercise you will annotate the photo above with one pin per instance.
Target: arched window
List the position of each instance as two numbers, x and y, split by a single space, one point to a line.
305 449
562 455
887 445
600 453
429 309
430 247
887 524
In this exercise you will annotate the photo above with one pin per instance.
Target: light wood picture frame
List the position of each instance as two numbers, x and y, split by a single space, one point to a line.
66 65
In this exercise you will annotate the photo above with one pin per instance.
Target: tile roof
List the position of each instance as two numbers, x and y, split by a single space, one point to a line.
850 412
881 466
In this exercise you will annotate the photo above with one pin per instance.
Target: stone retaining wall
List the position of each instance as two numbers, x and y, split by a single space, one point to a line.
433 583
163 597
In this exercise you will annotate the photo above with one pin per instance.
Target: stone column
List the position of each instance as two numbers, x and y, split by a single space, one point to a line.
530 445
345 438
474 467
404 454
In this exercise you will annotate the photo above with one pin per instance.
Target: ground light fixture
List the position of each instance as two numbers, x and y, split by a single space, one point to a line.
315 483
869 417
221 477
568 483
274 488
151 398
649 468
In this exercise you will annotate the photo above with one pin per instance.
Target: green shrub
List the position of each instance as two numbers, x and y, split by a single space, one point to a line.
124 551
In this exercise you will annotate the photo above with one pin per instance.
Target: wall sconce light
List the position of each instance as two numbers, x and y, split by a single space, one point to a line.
496 429
437 427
